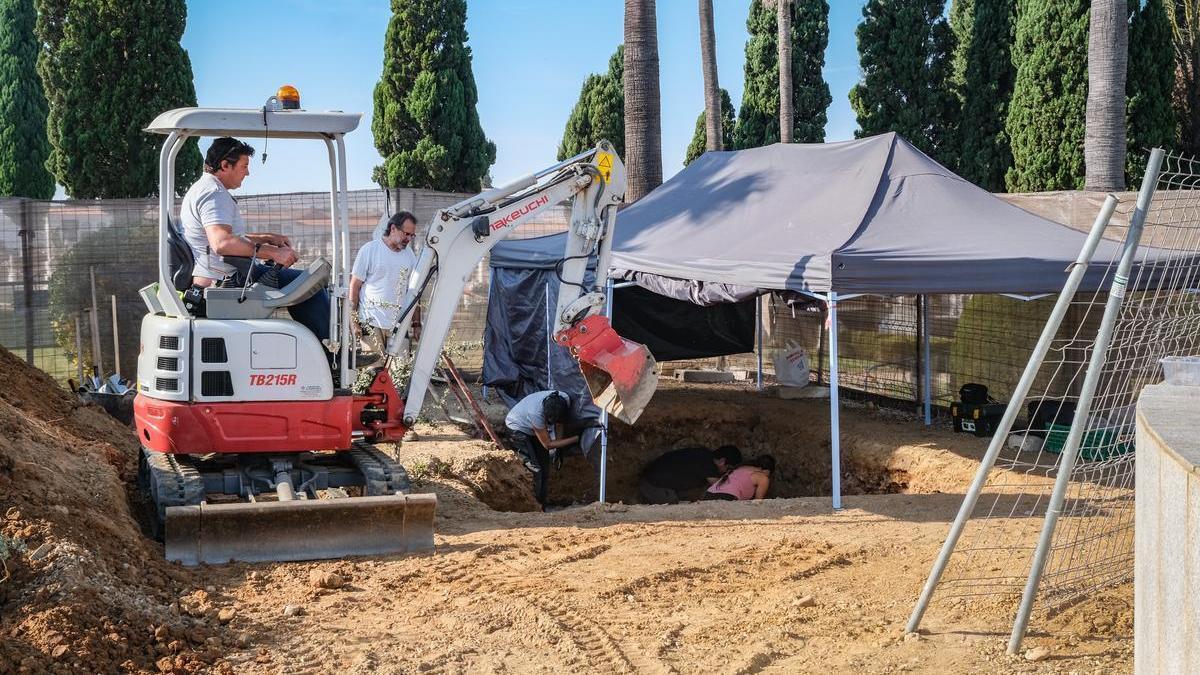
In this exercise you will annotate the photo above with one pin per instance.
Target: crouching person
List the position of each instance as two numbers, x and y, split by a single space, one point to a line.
537 424
748 481
684 474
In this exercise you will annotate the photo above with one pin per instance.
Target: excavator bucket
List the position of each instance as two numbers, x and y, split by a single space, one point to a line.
620 374
304 529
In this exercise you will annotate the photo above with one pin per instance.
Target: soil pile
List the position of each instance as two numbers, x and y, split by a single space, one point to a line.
85 590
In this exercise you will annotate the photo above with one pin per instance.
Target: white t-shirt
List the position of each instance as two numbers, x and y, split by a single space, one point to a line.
527 415
206 203
384 274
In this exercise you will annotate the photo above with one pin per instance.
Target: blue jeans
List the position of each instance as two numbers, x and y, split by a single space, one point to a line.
313 313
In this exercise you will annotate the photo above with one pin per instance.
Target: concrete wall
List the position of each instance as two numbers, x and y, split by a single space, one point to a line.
1167 531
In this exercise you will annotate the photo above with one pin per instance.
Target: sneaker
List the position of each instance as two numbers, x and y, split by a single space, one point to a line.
533 468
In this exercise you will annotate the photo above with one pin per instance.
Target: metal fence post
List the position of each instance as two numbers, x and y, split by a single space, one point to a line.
1010 412
1099 354
97 361
26 234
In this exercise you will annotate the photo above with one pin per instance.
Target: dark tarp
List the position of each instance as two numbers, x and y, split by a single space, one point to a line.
515 335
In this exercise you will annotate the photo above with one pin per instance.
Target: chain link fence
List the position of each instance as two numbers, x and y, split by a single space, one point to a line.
69 301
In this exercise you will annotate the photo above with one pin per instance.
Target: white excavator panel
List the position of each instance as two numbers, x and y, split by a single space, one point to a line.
257 360
163 357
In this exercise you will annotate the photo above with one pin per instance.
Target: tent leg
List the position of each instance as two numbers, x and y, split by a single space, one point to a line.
758 324
835 440
926 366
549 337
608 297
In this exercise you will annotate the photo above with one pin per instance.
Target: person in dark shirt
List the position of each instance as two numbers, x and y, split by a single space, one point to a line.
685 474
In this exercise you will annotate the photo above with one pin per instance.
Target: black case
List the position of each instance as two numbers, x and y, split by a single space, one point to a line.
980 419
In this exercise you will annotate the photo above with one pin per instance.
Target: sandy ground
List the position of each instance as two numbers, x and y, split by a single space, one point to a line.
778 586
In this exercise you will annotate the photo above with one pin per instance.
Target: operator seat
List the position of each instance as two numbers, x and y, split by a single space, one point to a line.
260 301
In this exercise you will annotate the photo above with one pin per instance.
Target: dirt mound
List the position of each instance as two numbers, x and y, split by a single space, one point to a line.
469 476
85 590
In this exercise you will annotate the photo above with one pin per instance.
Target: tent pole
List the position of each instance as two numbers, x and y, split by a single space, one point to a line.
835 430
549 332
758 344
608 295
926 366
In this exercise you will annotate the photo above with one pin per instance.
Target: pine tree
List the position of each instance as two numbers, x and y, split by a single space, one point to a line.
699 144
904 51
109 68
599 114
23 144
1047 114
758 117
426 126
983 81
1149 87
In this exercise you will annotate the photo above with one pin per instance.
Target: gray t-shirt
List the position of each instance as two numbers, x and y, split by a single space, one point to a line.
207 203
526 415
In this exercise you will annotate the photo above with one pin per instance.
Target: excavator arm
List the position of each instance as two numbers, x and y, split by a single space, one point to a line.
620 374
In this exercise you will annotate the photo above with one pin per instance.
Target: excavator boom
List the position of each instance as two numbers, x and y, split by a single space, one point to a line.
621 374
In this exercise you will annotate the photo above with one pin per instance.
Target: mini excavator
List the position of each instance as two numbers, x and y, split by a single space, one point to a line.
253 447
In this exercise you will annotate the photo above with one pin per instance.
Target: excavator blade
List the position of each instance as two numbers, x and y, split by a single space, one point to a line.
305 529
620 374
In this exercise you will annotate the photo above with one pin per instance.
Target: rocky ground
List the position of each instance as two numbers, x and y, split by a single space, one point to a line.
783 585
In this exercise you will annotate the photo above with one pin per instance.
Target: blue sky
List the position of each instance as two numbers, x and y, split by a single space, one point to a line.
530 58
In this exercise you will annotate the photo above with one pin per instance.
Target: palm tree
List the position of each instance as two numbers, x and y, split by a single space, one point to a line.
712 90
1108 57
643 115
784 22
1185 28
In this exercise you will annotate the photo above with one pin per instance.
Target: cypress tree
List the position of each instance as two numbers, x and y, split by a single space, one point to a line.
1149 86
109 68
758 117
904 51
599 114
426 126
1046 118
699 143
23 144
983 81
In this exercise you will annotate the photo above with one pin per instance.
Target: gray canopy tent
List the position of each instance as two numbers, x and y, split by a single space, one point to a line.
833 221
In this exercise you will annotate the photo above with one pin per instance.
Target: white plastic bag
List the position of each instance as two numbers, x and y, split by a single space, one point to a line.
791 365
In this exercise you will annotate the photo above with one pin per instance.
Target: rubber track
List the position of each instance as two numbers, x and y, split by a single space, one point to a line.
382 474
179 483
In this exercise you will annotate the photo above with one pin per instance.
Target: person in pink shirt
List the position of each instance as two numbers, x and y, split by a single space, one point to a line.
748 481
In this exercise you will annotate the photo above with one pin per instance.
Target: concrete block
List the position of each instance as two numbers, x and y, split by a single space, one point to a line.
1167 532
793 393
704 376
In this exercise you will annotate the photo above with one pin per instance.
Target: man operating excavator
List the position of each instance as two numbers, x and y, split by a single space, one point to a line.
216 232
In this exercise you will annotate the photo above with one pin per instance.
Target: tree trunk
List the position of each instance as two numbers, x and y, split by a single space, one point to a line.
712 90
1108 56
1185 24
785 70
643 115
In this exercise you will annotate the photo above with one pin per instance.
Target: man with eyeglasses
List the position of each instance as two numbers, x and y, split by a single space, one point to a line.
379 279
214 228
